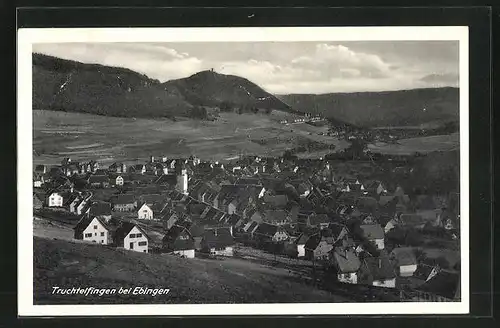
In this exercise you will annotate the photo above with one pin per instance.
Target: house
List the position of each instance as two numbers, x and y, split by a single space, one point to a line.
276 217
124 203
277 201
217 242
119 181
178 241
337 232
38 180
144 212
411 221
118 168
101 210
197 232
37 201
138 168
99 181
131 237
41 169
317 247
377 271
74 203
372 233
93 229
83 207
404 261
320 221
266 232
55 199
442 287
346 264
299 245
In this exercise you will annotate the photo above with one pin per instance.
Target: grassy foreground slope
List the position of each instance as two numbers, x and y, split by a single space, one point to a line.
65 264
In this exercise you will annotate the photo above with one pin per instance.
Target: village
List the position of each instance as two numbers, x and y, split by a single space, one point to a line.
355 232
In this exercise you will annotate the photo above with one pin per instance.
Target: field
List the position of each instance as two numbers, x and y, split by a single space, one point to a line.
83 136
420 144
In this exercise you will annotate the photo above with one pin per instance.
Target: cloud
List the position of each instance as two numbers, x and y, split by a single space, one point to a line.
441 79
280 68
156 61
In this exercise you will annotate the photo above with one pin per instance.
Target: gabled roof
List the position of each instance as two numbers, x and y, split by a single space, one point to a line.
213 238
266 229
403 256
372 231
346 260
172 241
167 179
276 200
123 199
444 284
100 208
124 229
380 268
86 220
411 219
302 239
317 219
275 215
98 179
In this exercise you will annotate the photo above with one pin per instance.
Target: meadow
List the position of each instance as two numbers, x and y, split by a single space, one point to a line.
83 136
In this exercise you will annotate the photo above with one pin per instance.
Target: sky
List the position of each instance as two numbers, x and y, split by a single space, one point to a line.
284 67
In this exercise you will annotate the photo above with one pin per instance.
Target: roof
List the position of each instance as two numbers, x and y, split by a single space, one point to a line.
86 220
250 226
213 238
317 219
100 208
383 200
124 229
346 260
302 239
152 198
98 179
403 256
372 231
380 268
276 215
444 284
276 200
313 241
196 230
178 238
266 229
411 219
124 199
167 179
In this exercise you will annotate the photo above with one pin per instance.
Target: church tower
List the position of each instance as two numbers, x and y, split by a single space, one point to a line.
182 180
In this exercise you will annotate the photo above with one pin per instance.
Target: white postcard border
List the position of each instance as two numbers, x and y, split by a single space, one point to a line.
26 37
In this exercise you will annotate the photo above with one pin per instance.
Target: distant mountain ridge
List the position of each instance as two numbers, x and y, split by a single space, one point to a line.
66 85
376 109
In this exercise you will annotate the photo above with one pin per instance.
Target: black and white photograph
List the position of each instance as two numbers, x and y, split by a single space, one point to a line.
243 170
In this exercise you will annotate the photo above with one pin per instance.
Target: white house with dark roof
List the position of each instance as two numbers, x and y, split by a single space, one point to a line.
93 229
55 199
145 212
119 181
131 237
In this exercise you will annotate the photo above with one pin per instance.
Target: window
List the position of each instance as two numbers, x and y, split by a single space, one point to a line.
144 251
139 235
102 241
95 234
95 227
143 243
132 235
102 234
88 235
